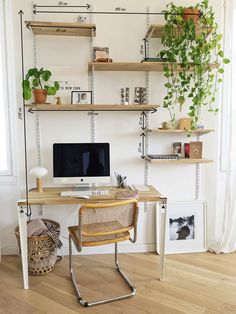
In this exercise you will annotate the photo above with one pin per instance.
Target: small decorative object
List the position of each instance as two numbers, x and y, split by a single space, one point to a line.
195 150
80 19
186 150
164 126
185 227
100 53
140 95
81 97
172 124
58 101
177 148
124 96
38 173
185 124
37 81
107 60
120 180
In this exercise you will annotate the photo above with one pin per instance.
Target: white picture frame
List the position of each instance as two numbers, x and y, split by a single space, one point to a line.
81 97
185 227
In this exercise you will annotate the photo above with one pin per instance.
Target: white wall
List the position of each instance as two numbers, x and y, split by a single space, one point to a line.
67 58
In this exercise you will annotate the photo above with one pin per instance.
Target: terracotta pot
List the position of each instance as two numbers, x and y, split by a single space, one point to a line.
40 96
191 13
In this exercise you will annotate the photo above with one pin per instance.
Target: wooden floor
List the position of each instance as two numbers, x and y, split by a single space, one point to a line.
195 283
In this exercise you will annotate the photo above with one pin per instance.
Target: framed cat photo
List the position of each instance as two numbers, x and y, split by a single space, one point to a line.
185 227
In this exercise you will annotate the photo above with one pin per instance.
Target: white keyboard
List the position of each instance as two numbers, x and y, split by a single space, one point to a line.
84 193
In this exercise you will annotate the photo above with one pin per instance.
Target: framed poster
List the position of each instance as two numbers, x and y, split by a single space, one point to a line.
185 227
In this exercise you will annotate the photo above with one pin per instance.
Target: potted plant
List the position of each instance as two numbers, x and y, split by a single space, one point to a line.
37 81
194 56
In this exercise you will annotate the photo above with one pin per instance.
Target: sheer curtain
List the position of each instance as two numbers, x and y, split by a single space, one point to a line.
226 241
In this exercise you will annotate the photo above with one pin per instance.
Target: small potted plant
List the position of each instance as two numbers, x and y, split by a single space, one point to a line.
194 61
37 82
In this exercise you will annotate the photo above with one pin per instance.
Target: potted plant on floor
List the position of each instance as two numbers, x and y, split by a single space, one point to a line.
37 82
194 55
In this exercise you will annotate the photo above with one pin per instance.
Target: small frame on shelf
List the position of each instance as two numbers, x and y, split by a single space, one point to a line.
81 97
185 227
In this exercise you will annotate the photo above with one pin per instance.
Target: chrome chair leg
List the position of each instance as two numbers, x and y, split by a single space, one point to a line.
98 302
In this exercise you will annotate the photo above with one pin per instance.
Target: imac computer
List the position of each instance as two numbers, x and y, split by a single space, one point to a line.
81 164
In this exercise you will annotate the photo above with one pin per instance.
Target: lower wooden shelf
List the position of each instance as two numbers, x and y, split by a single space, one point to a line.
179 161
91 107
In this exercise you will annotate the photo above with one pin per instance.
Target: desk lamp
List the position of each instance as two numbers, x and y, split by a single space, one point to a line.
38 173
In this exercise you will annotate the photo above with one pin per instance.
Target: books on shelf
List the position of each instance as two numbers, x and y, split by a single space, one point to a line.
167 156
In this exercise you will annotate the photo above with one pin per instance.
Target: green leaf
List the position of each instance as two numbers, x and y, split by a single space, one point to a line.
27 94
221 70
168 85
35 82
226 61
30 72
219 37
221 53
52 90
56 85
219 80
26 85
46 75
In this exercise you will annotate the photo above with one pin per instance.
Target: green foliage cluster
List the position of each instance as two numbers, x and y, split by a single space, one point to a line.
194 47
38 79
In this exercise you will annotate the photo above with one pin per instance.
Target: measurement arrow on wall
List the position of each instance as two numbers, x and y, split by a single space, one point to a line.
143 115
143 146
87 6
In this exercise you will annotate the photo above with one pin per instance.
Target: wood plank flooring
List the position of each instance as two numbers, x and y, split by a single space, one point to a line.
194 284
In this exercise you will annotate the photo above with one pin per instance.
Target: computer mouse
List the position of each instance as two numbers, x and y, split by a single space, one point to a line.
82 196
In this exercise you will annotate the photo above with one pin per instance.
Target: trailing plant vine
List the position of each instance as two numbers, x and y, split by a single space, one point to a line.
189 49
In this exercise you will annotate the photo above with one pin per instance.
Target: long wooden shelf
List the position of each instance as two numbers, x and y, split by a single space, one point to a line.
134 66
179 161
172 131
61 28
157 31
94 107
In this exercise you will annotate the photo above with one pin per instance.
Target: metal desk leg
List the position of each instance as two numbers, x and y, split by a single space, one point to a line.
163 237
23 244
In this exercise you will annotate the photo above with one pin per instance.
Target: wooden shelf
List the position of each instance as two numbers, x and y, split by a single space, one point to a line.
95 107
157 31
61 28
171 131
179 161
133 66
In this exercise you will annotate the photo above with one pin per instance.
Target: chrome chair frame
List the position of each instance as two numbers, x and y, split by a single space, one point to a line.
84 302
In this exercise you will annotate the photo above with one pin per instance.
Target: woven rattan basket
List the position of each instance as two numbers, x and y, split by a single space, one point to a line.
42 251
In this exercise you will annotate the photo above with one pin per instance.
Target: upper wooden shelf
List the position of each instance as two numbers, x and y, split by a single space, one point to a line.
133 66
199 132
94 107
157 31
179 161
61 28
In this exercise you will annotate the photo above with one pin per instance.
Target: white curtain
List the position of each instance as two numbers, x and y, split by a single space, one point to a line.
226 241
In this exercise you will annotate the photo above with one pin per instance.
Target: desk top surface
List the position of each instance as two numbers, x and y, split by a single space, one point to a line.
53 196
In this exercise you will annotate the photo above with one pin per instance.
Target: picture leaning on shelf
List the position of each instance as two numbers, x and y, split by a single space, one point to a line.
81 97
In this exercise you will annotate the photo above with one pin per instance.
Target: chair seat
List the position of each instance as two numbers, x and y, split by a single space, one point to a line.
101 239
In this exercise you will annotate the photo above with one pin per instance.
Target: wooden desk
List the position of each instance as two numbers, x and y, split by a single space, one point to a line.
53 196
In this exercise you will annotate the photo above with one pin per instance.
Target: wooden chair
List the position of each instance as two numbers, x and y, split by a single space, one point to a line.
100 224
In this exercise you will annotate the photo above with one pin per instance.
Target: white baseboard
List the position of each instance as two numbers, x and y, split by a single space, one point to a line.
105 249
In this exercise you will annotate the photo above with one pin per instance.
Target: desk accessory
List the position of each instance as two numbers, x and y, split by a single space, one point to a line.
120 180
195 150
38 173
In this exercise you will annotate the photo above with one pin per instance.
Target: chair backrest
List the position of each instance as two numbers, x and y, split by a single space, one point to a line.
108 218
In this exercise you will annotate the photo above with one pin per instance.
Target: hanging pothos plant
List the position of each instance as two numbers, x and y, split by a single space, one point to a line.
193 52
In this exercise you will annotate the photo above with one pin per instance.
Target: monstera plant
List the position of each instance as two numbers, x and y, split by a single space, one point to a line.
194 57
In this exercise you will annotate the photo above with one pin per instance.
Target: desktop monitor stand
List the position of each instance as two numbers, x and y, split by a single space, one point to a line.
82 187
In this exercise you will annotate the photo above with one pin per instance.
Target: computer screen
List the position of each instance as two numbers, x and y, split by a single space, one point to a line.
81 163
